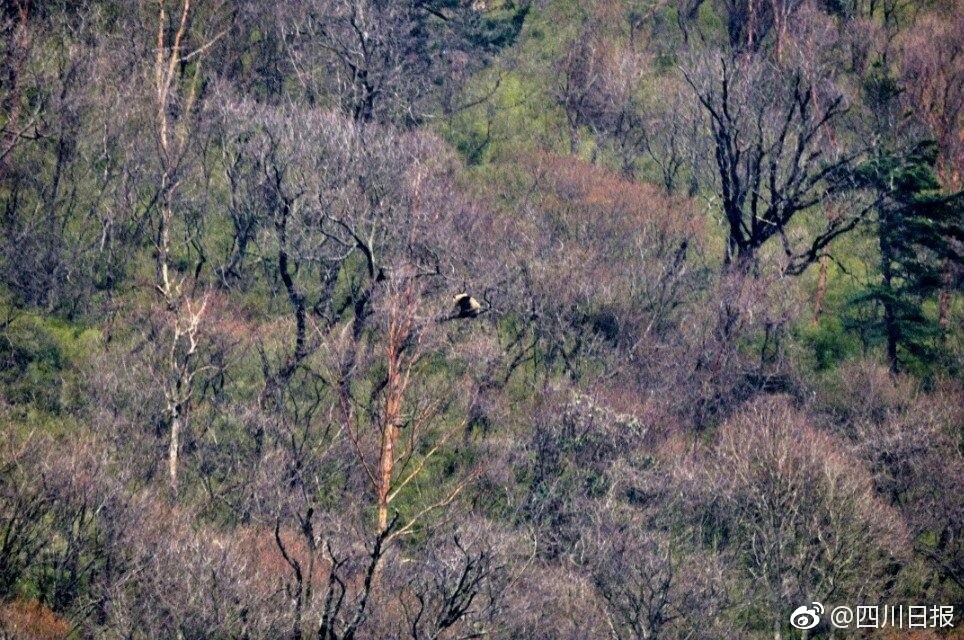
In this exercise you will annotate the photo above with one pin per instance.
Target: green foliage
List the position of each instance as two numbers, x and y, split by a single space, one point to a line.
512 120
498 28
40 358
919 233
569 402
829 343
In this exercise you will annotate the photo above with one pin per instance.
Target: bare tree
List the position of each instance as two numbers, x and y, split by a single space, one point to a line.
749 23
384 59
905 438
335 585
654 588
807 521
458 587
60 166
15 27
23 506
176 87
605 89
771 161
396 428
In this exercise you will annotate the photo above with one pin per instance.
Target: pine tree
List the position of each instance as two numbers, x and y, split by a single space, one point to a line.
918 228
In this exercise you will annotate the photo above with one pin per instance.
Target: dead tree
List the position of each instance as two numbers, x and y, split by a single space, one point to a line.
176 96
771 160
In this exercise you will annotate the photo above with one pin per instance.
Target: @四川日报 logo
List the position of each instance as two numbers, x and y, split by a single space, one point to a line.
804 617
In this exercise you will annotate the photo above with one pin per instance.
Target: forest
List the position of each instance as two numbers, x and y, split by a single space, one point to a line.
508 319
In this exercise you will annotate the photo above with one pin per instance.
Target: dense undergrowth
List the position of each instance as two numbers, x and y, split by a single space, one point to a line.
712 373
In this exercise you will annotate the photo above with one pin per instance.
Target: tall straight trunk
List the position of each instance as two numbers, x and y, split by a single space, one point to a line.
172 138
173 449
891 328
386 467
821 291
389 432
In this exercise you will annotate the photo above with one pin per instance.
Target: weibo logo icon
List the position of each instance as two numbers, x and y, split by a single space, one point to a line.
804 617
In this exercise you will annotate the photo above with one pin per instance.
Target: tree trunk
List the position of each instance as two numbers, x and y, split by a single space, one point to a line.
386 467
891 329
386 459
175 445
821 292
